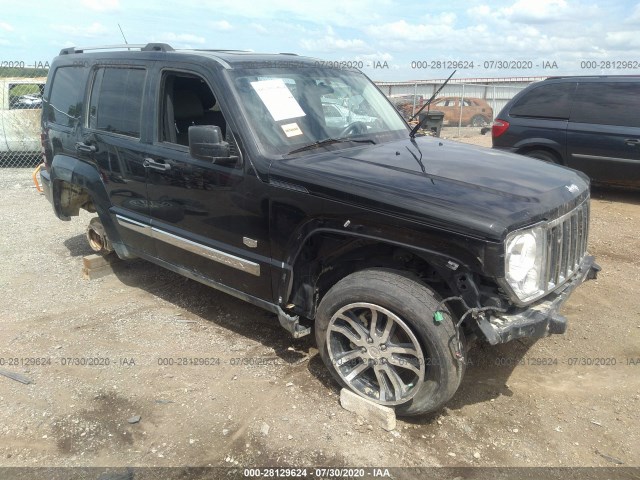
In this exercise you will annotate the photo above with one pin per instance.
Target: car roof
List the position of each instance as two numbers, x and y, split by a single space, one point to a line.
227 58
593 78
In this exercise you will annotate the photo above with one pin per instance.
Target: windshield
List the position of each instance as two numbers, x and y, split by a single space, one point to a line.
290 109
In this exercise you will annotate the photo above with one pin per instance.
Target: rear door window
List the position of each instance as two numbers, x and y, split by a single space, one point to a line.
116 100
546 101
607 103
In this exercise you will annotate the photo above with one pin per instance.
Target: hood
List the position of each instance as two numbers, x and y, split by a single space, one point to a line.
448 184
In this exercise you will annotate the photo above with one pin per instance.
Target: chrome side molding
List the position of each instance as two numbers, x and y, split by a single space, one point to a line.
218 256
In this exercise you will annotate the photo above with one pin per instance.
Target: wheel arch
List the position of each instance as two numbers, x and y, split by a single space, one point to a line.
76 184
326 256
542 144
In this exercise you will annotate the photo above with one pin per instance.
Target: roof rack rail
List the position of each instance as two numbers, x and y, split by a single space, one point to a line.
149 47
221 50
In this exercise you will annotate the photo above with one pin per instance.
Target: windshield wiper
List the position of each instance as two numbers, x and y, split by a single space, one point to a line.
415 129
328 141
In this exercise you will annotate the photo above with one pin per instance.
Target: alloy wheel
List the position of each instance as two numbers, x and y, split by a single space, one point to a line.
375 353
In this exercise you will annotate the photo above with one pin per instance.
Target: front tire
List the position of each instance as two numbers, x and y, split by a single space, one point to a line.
376 334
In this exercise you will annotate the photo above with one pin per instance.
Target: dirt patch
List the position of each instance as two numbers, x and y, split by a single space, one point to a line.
206 372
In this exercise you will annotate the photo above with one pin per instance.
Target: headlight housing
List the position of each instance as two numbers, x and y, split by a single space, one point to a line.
524 263
541 258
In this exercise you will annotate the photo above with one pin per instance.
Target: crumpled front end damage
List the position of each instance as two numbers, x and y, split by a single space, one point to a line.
539 319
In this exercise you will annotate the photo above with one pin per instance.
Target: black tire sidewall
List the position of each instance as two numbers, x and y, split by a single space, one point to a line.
542 155
415 304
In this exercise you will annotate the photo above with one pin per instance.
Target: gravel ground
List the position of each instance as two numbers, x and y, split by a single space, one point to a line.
260 398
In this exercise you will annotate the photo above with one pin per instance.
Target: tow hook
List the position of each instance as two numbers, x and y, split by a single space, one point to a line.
97 237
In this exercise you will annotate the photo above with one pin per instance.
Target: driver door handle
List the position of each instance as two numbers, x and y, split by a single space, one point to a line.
151 163
84 148
632 141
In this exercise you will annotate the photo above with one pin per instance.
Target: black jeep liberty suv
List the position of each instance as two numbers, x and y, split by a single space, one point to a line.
298 187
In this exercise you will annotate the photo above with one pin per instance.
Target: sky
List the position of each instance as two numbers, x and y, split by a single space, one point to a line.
389 41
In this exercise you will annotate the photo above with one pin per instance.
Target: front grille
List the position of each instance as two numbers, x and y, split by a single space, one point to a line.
566 244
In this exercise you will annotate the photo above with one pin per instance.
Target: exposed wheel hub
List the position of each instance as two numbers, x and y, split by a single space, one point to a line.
97 237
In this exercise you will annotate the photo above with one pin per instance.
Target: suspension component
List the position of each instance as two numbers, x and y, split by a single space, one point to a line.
97 237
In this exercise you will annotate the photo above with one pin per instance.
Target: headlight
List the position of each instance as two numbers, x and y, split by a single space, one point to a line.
542 258
524 262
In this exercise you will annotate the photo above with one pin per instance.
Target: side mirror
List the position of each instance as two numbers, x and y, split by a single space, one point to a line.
206 143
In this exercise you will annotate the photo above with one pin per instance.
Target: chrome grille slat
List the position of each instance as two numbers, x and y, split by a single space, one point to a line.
558 265
566 249
571 257
566 245
584 226
555 250
550 261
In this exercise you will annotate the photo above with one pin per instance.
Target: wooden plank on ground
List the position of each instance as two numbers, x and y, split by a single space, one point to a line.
97 266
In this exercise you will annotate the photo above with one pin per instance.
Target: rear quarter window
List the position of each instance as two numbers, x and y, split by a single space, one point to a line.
545 101
66 96
607 103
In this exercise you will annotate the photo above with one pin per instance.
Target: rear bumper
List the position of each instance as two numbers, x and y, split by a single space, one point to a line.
541 318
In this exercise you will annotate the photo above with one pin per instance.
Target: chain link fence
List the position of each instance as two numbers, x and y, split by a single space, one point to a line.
463 104
21 91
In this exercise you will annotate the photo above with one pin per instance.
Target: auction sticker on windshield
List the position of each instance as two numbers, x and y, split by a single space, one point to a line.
278 99
291 130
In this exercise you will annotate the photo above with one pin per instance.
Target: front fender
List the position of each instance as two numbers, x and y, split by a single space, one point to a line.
455 260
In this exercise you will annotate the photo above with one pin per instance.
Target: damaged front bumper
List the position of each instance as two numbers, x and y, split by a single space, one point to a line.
539 319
